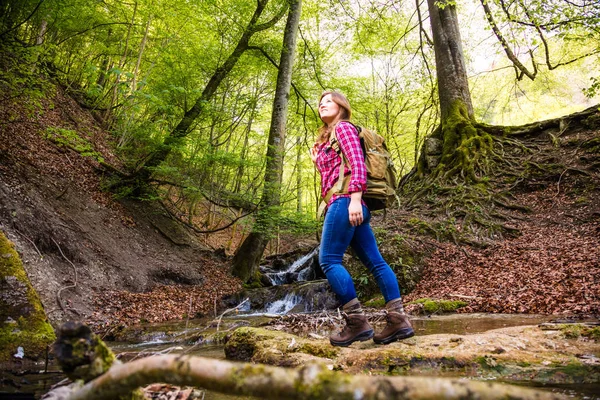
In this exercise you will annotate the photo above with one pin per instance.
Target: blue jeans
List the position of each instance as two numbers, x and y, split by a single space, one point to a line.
337 235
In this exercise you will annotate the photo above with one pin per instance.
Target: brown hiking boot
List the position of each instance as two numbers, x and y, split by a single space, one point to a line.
357 328
398 327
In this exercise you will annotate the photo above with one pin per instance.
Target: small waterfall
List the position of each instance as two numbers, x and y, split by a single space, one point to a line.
284 305
298 271
309 296
290 285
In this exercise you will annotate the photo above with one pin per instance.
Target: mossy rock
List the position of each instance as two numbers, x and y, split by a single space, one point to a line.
523 353
277 348
439 306
24 322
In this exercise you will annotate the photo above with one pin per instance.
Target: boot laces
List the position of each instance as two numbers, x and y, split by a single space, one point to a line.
388 316
350 322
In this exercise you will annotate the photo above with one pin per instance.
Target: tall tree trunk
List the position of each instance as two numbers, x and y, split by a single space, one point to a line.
247 258
452 79
240 170
139 60
300 194
104 67
108 114
126 133
183 127
457 146
42 32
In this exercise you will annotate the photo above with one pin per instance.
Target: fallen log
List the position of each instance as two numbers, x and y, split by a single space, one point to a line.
313 381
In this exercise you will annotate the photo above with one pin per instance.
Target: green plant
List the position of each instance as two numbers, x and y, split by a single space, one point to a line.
71 139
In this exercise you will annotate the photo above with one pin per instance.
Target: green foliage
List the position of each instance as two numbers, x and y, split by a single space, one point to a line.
19 79
375 302
140 82
490 363
593 89
364 283
72 140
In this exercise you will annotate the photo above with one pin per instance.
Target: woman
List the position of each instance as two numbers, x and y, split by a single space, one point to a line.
347 224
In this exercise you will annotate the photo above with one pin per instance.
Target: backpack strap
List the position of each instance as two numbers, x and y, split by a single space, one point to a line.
342 183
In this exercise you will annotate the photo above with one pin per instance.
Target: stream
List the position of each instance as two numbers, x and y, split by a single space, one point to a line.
296 286
167 338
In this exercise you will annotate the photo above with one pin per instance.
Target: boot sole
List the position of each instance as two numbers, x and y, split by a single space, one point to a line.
403 333
361 337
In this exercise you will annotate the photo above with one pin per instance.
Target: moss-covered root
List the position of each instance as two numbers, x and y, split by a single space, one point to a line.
465 146
82 355
308 382
24 323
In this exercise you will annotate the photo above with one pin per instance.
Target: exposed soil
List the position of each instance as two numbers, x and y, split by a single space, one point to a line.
112 262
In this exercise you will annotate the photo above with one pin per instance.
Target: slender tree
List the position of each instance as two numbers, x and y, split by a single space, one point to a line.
248 256
184 126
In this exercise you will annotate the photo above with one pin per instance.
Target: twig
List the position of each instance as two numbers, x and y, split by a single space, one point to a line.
558 183
31 241
187 320
230 310
62 193
74 285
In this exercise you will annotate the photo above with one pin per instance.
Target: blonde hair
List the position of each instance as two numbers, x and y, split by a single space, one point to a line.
344 114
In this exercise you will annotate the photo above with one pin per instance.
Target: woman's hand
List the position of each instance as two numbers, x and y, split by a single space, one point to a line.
314 151
355 209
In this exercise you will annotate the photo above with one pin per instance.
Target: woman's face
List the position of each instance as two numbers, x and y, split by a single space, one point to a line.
328 109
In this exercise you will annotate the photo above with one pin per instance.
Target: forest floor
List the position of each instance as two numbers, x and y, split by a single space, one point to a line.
132 271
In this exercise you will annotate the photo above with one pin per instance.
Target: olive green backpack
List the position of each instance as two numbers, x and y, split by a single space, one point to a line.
381 173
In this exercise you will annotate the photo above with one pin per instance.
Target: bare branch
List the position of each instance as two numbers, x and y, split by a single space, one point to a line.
24 21
519 67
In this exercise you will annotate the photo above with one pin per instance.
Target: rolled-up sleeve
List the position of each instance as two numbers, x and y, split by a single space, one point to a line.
349 141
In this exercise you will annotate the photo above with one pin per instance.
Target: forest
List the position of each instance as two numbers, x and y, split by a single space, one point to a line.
154 159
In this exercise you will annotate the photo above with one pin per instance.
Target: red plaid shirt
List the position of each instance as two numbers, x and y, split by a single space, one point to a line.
328 162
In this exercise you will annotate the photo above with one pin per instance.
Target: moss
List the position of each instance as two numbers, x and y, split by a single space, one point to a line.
489 363
375 302
72 140
241 374
431 306
321 381
464 145
574 331
319 350
420 226
592 145
29 327
571 331
523 364
593 333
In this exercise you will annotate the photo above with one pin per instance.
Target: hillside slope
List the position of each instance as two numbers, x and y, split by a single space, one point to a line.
76 241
